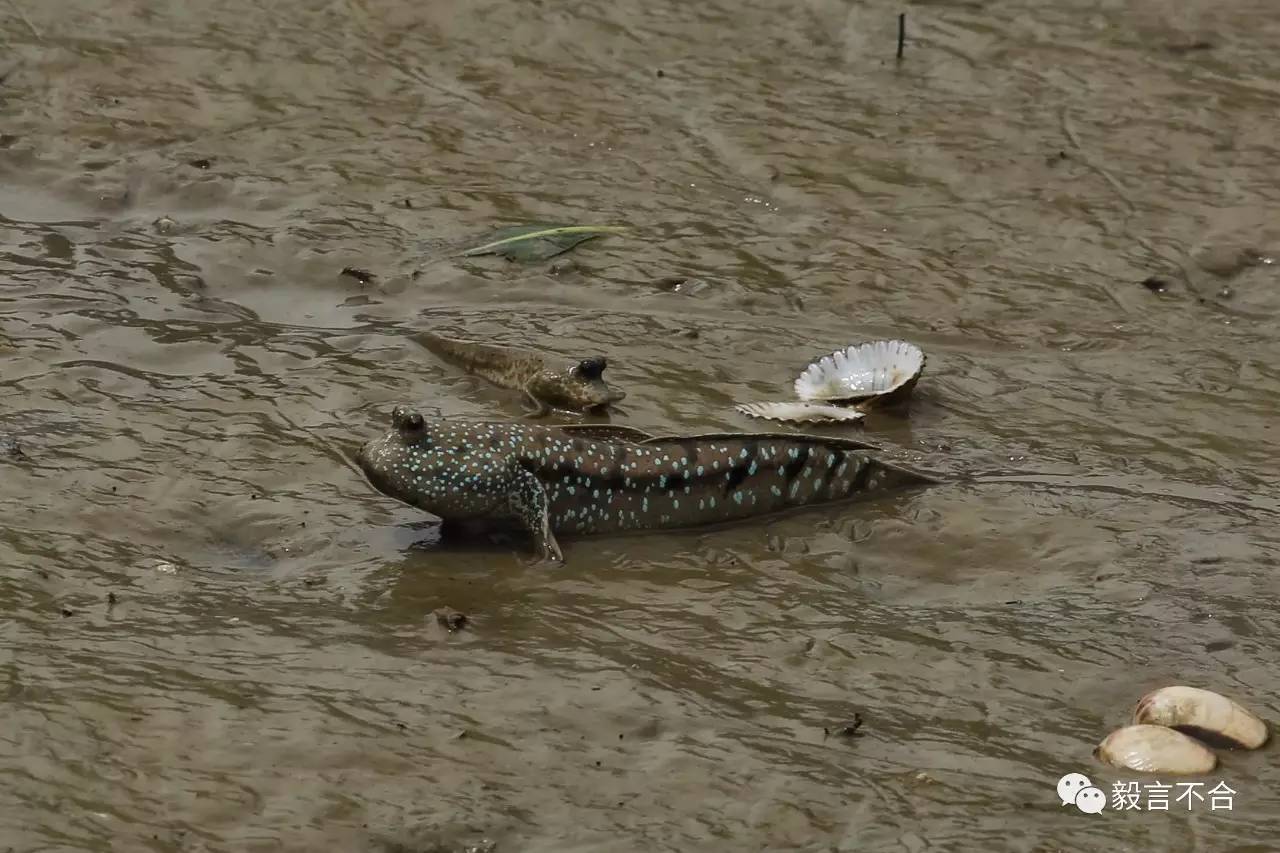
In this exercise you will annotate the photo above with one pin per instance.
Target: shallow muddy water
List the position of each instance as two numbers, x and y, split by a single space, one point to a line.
217 636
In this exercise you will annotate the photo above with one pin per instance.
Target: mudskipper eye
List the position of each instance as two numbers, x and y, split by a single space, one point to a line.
406 420
591 368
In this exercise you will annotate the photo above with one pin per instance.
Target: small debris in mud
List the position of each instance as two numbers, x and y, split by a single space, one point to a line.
67 611
1224 293
1055 159
166 568
694 286
313 582
362 276
564 267
401 726
681 284
1156 284
202 163
461 735
661 73
408 204
164 225
1190 47
11 448
112 599
451 620
844 729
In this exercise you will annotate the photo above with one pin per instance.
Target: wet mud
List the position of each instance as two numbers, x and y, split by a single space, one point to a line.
221 226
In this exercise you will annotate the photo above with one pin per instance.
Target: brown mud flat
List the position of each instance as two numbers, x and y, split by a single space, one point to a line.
216 636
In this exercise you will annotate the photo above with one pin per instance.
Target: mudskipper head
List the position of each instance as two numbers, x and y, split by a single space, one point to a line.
386 459
451 469
579 387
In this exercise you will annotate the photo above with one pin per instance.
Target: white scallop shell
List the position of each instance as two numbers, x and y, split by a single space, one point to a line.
801 412
1204 714
875 369
1155 749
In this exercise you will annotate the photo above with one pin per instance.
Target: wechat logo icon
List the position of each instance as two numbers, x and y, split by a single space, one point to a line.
1076 789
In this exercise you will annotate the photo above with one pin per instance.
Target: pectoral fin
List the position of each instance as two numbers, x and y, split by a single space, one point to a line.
534 407
529 504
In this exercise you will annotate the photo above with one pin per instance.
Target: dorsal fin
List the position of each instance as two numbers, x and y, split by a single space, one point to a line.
830 441
606 432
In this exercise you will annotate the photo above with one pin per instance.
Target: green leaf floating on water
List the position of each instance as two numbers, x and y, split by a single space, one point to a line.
539 242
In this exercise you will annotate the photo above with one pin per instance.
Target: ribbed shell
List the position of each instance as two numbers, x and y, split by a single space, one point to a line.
863 371
801 412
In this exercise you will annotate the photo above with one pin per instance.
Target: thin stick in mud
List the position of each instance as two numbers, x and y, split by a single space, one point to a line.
902 33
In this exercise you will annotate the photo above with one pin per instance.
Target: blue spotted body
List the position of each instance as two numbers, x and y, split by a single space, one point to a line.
597 479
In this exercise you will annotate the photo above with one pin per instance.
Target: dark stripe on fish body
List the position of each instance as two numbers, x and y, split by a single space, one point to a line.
793 468
739 471
614 481
860 479
837 456
835 488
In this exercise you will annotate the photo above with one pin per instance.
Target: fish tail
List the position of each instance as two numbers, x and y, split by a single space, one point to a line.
793 474
884 476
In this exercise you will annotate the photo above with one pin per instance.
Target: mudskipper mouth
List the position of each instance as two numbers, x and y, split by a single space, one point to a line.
602 402
601 406
364 459
363 453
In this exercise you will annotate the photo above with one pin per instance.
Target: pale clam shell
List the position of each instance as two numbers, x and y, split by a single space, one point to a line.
1203 714
1155 749
863 371
801 412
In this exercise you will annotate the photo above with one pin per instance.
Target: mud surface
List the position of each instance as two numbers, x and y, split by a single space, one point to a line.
216 636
